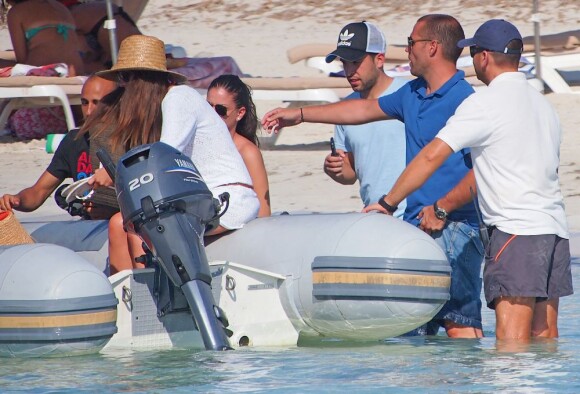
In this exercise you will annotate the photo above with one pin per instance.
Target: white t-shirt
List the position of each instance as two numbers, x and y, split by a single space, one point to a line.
192 126
514 135
206 140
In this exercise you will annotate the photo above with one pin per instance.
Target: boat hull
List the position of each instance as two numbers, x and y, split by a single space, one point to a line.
353 277
358 277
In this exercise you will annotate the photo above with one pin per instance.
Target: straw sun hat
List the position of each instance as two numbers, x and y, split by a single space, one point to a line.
140 52
11 231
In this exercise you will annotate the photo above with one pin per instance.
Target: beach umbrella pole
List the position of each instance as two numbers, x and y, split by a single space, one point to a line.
537 44
111 25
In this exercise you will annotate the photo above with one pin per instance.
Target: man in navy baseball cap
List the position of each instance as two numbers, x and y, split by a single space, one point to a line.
500 40
494 36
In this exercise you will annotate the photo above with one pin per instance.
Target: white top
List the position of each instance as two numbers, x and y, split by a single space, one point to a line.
207 140
514 135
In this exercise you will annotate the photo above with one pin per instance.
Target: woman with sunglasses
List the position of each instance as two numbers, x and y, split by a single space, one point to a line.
155 105
232 100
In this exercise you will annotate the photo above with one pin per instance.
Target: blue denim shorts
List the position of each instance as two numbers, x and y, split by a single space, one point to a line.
464 250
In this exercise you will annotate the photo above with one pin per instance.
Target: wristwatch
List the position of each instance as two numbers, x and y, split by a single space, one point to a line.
389 208
439 212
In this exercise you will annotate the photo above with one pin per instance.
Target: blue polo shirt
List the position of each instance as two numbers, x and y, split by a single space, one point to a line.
424 115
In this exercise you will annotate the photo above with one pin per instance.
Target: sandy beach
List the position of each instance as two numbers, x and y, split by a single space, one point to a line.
257 35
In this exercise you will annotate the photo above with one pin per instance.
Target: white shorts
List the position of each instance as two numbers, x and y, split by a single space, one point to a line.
244 205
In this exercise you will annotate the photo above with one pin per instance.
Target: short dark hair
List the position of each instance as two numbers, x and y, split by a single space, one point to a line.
509 59
447 30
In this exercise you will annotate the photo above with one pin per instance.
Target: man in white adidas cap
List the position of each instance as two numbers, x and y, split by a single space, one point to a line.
379 147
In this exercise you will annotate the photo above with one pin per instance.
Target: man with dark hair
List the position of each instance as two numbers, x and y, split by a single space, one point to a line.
515 136
448 32
442 206
372 153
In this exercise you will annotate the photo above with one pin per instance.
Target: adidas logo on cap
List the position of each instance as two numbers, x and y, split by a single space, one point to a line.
345 36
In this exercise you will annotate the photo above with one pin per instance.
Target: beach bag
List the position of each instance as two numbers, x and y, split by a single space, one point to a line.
11 231
36 123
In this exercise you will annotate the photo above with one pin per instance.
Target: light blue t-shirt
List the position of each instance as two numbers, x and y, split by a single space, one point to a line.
379 152
424 115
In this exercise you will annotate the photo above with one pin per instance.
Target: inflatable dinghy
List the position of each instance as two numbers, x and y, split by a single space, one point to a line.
52 301
354 277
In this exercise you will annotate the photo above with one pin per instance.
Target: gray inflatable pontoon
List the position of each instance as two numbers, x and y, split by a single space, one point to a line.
53 301
353 276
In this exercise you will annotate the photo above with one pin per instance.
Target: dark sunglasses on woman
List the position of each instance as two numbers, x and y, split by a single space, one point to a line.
221 109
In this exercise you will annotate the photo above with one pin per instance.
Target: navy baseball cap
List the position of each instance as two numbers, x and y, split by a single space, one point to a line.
494 35
356 40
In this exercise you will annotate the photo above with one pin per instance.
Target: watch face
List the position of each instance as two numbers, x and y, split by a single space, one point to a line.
441 214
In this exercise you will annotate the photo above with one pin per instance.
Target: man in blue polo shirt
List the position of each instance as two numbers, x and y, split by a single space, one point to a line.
442 206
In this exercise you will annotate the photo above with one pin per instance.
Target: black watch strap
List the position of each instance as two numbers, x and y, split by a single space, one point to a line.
389 208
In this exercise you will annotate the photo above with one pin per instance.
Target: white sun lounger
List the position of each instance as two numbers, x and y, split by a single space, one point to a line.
559 53
299 89
313 55
38 92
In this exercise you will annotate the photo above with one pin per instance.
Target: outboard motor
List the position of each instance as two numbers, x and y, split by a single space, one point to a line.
165 201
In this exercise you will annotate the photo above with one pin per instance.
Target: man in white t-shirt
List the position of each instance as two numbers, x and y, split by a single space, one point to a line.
514 135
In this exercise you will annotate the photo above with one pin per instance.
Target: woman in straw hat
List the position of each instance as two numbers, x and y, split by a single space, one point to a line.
152 105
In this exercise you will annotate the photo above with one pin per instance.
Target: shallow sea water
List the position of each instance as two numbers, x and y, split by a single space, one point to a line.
418 364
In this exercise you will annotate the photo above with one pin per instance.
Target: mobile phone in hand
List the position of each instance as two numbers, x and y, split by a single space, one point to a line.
332 147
